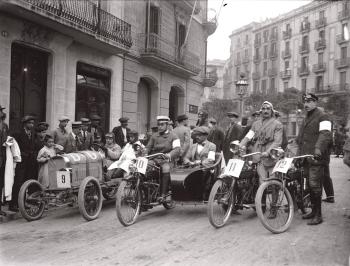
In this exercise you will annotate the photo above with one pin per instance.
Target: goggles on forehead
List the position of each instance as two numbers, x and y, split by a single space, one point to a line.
161 123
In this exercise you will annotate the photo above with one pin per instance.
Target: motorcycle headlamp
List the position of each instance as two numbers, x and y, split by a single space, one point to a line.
234 147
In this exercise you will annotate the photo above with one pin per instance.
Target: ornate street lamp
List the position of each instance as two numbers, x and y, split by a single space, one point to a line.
241 87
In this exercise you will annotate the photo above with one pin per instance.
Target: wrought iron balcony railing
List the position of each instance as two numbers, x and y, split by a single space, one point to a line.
320 67
274 36
321 22
320 44
287 34
303 71
342 62
344 14
85 16
305 27
286 54
337 88
286 74
273 54
210 26
210 79
164 53
341 39
272 72
303 49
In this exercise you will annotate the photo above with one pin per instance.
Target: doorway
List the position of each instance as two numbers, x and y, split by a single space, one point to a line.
176 102
28 84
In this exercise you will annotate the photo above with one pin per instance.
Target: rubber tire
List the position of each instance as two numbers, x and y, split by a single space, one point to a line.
211 199
259 210
170 205
21 199
120 193
81 198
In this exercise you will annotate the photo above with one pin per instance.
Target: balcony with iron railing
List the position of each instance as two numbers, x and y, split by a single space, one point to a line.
257 43
341 39
209 79
305 27
256 58
342 62
321 22
187 6
331 90
164 54
272 72
286 74
303 71
304 49
344 14
286 54
319 67
210 26
273 54
84 21
274 36
320 44
287 34
256 75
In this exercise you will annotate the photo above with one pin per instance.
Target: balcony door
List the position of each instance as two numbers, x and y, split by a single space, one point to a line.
28 84
176 102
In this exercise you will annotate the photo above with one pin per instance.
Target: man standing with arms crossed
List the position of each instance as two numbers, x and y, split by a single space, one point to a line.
314 138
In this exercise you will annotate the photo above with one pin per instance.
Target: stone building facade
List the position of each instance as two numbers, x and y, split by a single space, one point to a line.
79 58
307 48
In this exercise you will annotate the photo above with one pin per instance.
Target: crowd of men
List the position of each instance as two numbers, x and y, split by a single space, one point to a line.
181 143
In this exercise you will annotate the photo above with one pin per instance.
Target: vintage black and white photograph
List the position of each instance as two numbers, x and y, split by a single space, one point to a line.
175 132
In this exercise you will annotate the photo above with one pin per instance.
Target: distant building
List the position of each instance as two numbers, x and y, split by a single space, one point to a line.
306 48
215 70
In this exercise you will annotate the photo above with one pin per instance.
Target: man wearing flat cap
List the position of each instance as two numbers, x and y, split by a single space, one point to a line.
85 135
96 129
164 141
183 132
121 132
28 168
234 132
315 136
74 142
60 134
216 135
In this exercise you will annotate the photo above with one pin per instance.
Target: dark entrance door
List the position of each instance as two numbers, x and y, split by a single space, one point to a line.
28 84
93 93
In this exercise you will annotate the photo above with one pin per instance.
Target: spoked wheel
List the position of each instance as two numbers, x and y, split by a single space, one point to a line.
128 202
90 198
220 202
305 204
169 205
31 202
274 206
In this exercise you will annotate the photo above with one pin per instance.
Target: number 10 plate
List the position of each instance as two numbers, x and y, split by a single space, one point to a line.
63 179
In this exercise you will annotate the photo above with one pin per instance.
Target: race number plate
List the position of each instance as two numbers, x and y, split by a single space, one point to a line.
283 165
234 167
63 179
141 165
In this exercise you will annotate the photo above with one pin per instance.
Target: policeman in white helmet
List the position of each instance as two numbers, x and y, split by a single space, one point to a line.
164 141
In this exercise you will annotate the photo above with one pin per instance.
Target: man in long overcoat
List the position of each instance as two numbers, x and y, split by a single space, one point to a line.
234 132
121 132
314 138
216 135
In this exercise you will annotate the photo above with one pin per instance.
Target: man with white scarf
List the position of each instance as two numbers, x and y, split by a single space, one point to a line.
265 135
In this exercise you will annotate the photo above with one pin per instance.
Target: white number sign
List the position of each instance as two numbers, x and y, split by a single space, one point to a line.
63 179
234 167
283 165
141 165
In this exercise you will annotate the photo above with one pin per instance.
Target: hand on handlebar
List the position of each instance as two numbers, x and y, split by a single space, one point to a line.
317 155
265 154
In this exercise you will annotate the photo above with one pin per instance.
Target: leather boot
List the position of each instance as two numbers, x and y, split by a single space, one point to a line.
311 214
317 219
165 184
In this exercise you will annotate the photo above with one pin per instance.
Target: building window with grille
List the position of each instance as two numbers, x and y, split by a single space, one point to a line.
153 19
319 83
265 51
287 27
303 85
321 35
265 69
304 62
237 73
257 53
287 46
343 52
285 85
321 14
246 39
272 85
342 81
286 65
305 41
263 86
320 58
256 86
266 35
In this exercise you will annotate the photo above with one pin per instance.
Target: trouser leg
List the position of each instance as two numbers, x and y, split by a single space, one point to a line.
316 176
346 158
166 179
328 183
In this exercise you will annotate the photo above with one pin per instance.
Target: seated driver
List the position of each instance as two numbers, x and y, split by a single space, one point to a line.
203 151
164 141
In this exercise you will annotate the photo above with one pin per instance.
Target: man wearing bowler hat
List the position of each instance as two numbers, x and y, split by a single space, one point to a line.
60 135
183 132
96 129
314 138
28 168
234 132
4 131
74 143
121 132
84 134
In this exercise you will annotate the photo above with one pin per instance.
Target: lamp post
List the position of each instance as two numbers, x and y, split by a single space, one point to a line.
241 87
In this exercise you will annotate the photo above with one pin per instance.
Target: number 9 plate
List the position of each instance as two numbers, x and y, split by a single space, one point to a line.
63 179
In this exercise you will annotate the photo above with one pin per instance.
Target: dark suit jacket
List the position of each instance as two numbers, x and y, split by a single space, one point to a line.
311 138
73 145
85 141
216 136
234 132
119 136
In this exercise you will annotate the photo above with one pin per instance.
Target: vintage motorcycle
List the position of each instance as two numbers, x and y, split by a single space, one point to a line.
139 190
234 189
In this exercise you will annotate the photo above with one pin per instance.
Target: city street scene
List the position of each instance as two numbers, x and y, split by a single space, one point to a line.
174 132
